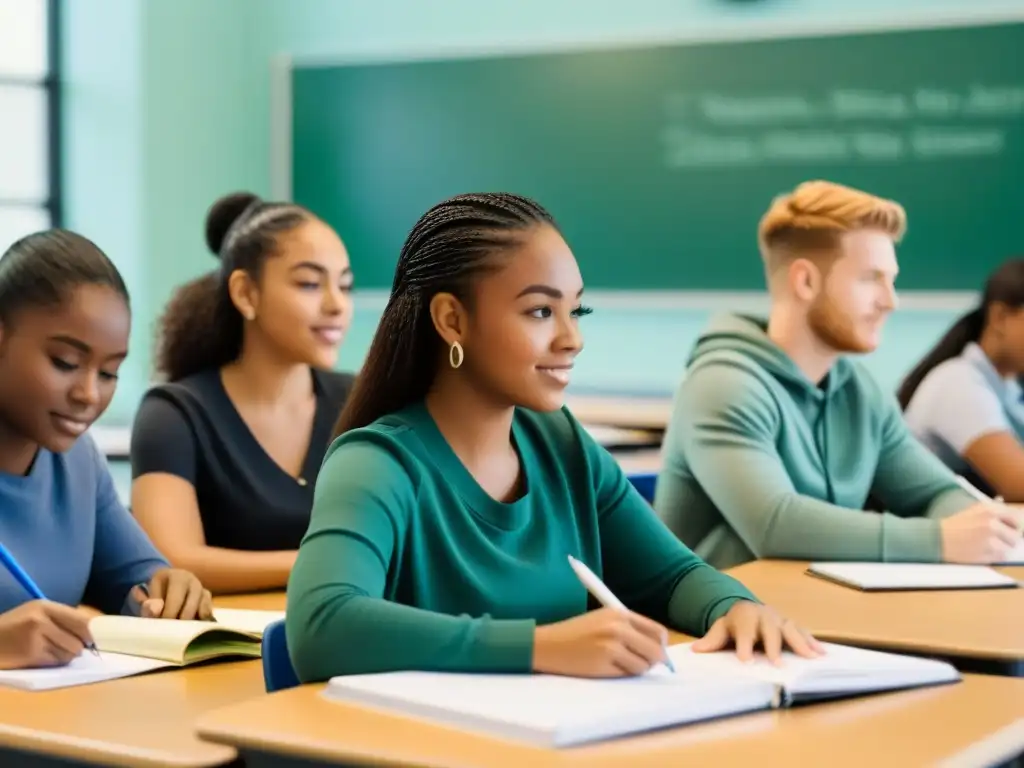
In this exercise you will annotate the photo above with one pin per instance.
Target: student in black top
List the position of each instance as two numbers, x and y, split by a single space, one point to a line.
225 455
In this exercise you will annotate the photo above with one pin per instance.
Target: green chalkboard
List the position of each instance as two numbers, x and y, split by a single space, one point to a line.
659 161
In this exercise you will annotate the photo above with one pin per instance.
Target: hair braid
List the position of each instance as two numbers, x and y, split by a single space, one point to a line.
450 246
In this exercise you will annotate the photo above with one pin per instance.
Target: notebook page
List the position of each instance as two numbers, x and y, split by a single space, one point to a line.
548 709
842 667
912 575
246 620
1016 556
164 639
86 668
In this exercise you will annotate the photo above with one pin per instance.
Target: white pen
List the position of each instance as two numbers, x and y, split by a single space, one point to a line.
966 484
977 495
603 595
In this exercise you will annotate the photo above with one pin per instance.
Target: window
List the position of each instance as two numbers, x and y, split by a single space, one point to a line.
29 130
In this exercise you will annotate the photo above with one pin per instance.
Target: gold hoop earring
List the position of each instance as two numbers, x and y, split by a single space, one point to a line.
455 355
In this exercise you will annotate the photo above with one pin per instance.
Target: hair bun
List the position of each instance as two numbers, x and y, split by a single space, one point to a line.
222 215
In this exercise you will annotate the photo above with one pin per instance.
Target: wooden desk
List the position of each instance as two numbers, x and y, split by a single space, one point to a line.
141 722
618 437
258 601
622 410
983 625
639 461
917 727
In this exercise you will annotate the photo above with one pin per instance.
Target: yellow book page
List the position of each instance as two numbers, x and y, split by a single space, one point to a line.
169 639
245 619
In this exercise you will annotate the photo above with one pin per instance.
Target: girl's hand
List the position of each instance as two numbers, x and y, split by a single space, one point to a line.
174 594
748 624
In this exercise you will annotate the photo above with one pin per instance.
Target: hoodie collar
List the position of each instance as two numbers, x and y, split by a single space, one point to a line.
748 335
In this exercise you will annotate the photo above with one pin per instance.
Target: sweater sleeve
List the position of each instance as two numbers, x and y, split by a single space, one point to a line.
726 425
910 479
123 555
649 569
338 621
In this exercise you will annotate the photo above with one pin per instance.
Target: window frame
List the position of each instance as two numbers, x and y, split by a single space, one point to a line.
50 84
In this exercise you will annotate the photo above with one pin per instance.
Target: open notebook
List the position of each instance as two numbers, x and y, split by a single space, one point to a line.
1016 556
129 646
553 711
880 577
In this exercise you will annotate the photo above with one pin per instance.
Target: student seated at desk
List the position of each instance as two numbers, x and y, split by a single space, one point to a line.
777 439
226 454
964 399
64 322
446 509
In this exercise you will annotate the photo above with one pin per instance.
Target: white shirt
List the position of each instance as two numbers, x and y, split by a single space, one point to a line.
961 400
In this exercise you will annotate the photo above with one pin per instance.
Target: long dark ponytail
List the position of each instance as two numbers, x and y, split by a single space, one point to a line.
1004 286
452 244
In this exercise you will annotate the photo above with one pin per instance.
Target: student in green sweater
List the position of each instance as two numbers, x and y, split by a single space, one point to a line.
777 441
445 512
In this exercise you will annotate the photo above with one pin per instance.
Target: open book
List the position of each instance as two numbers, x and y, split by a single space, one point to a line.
553 711
129 646
879 577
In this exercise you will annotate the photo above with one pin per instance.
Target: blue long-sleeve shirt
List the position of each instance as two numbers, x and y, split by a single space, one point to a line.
66 526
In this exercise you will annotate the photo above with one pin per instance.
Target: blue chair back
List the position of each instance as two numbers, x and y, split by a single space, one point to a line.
645 483
278 672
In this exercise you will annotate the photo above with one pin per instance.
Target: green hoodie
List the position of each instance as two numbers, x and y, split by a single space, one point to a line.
760 462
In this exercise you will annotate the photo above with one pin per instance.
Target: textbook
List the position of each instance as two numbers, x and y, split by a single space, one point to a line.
558 711
881 577
129 645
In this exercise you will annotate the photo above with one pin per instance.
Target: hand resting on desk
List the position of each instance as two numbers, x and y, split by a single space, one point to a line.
174 594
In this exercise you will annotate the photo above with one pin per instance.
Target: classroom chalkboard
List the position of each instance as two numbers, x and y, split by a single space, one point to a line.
658 161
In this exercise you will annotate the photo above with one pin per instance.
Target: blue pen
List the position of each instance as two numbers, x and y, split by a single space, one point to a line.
26 582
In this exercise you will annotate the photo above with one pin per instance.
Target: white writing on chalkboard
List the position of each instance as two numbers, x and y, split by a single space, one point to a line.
845 124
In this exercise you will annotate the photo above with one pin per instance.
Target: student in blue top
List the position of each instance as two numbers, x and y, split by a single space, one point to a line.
64 322
964 399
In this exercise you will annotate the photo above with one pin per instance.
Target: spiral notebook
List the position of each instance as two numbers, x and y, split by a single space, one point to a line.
129 646
556 711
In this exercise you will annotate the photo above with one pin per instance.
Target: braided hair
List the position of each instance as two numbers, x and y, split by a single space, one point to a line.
201 328
42 269
451 245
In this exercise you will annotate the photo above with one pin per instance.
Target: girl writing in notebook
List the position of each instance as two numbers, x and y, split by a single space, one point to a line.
225 454
447 508
66 538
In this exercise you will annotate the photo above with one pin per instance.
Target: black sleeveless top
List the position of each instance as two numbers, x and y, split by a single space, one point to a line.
191 429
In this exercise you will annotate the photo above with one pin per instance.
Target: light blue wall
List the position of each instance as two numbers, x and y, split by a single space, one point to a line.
161 116
167 107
